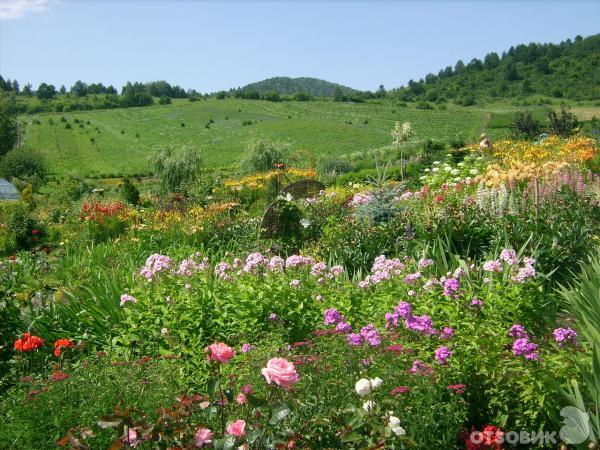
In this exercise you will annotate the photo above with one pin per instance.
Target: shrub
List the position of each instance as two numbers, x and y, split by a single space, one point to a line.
524 126
563 124
130 192
177 168
457 142
271 96
261 155
23 164
334 167
68 126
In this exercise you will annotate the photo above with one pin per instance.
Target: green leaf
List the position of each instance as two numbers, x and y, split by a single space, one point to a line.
224 444
256 401
213 386
351 436
279 412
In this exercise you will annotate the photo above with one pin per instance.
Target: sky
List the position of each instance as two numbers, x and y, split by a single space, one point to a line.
217 45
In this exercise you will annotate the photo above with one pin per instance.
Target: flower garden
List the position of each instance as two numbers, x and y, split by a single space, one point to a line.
456 309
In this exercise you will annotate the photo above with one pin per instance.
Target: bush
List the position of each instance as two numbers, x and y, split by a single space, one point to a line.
98 387
23 164
177 168
563 124
334 166
164 100
271 96
457 142
524 126
261 155
130 193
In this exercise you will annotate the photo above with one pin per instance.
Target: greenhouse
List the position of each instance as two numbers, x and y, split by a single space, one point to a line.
8 191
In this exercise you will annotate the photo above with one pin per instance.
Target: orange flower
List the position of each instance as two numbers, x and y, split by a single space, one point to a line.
28 343
61 343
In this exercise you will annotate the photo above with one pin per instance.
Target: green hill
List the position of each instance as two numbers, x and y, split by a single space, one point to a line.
286 85
122 141
570 69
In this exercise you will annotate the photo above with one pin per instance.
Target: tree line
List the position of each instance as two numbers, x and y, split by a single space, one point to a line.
570 69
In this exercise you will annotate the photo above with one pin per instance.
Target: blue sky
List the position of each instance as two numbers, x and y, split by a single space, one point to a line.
212 45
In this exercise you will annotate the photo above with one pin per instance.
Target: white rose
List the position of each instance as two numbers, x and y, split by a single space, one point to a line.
369 405
376 383
394 421
398 431
363 387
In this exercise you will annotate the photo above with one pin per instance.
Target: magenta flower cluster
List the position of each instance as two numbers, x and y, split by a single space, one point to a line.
155 264
421 324
564 336
522 346
367 334
442 354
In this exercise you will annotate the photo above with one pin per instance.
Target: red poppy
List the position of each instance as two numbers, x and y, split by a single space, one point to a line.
61 343
28 343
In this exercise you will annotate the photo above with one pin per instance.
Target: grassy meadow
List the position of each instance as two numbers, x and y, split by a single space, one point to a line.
122 141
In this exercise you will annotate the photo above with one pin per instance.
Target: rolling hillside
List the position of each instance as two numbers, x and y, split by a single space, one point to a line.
122 141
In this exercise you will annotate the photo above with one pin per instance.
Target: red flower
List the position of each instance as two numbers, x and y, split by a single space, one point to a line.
11 258
458 388
438 198
28 343
61 343
35 231
400 390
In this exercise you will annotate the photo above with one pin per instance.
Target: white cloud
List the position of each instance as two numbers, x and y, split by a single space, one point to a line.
15 9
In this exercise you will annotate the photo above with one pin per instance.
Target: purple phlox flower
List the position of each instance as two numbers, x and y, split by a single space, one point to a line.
517 331
442 354
493 266
332 316
564 336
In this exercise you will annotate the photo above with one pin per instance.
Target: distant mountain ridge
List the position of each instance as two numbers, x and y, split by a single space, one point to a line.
287 85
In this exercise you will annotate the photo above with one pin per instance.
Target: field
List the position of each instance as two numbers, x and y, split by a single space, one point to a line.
324 128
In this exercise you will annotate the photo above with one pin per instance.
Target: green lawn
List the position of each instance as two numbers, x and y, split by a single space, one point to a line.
322 127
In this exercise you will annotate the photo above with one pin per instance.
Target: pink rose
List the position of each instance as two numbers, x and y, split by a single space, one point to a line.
203 437
220 352
241 399
237 428
281 372
247 389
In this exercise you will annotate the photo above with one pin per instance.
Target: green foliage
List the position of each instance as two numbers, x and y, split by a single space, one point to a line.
563 124
333 167
566 69
23 164
177 169
262 154
284 85
131 194
8 123
37 414
271 96
525 126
